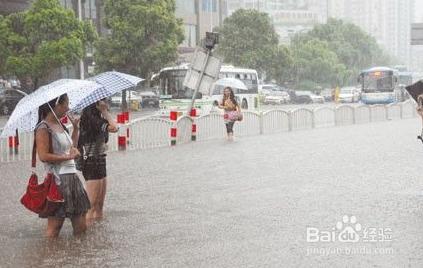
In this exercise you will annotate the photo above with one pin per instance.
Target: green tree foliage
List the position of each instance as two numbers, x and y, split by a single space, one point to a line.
330 54
355 49
249 40
315 63
280 67
42 39
144 36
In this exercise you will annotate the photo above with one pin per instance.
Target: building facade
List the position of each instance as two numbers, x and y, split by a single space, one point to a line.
199 17
11 6
388 21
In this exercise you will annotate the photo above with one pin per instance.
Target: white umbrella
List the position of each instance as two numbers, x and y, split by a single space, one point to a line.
231 82
112 83
25 115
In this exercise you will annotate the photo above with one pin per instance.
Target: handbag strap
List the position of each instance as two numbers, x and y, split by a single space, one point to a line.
34 147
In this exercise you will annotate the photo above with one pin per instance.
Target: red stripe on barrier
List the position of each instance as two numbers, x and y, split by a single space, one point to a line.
194 128
193 112
121 118
173 115
126 117
122 141
173 132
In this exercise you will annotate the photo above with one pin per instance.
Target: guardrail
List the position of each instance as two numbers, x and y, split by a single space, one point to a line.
155 132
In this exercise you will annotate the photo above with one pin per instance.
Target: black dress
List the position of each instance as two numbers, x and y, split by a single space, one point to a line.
92 145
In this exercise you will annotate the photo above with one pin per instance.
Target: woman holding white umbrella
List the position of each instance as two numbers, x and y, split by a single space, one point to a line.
40 112
57 150
232 111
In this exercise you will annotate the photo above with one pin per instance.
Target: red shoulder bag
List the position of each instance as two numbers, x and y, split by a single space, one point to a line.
45 198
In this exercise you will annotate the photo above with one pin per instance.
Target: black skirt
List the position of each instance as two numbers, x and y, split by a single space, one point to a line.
94 168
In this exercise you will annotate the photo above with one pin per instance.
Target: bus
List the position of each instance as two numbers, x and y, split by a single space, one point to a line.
380 85
174 96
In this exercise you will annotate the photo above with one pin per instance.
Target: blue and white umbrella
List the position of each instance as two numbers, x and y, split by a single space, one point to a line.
112 83
25 116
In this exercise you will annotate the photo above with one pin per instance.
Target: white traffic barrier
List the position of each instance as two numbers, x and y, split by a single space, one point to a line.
393 111
249 126
275 121
324 117
362 114
150 133
210 126
184 126
301 118
154 132
378 113
345 115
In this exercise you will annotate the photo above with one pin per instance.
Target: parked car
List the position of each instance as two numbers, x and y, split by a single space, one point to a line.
116 100
327 94
349 95
149 99
305 97
277 97
8 100
272 87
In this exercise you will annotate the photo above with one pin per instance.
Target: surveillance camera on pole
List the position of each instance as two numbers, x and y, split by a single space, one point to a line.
211 40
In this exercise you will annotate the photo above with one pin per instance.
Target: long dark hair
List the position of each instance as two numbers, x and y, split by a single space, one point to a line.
231 96
89 131
44 109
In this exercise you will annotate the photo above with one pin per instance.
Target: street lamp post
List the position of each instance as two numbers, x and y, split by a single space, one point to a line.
81 62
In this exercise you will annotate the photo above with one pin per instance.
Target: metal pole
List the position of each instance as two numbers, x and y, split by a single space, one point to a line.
327 11
197 86
81 62
211 17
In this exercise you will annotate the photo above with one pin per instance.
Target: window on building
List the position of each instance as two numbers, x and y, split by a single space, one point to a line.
190 36
89 10
66 3
185 8
209 5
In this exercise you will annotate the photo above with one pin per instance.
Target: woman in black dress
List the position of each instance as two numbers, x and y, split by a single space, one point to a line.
96 123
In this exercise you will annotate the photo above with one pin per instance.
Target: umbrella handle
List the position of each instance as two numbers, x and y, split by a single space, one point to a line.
60 124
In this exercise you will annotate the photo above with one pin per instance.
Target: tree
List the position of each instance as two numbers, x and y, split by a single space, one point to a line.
144 36
248 39
355 49
280 66
41 40
315 64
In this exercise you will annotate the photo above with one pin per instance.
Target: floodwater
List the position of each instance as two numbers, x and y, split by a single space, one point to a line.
242 204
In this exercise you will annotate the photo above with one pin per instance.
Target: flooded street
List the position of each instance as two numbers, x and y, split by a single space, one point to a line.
242 204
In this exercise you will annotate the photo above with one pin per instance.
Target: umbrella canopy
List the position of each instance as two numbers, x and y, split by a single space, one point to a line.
25 115
231 82
415 89
112 83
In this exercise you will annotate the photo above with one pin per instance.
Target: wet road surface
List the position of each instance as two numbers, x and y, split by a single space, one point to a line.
242 204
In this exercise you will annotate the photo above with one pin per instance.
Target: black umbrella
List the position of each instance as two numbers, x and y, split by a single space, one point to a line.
415 90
